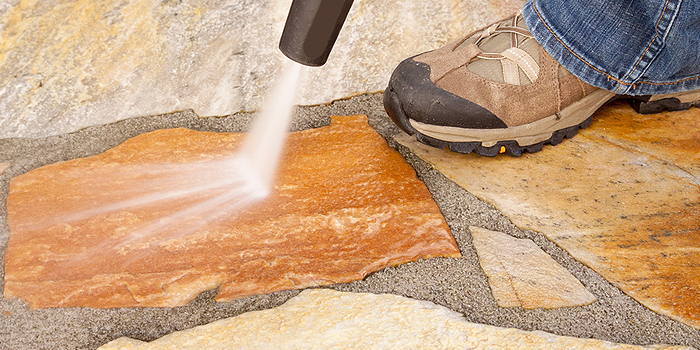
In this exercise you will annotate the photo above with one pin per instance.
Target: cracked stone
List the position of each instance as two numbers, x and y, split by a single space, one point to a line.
101 232
68 64
628 208
327 319
522 275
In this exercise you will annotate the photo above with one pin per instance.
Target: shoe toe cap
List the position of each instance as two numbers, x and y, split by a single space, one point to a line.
412 95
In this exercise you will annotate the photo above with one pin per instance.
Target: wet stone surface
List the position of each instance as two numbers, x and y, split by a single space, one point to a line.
161 218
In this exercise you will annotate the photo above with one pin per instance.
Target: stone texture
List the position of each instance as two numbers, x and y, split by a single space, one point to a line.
68 64
670 137
629 212
3 167
522 275
124 344
326 319
345 205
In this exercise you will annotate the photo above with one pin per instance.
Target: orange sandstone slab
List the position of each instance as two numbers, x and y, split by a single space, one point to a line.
111 230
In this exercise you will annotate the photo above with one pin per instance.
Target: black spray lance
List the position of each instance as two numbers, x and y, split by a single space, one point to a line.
312 28
309 34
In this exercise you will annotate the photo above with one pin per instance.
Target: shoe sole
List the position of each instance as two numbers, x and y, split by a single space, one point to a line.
672 102
530 138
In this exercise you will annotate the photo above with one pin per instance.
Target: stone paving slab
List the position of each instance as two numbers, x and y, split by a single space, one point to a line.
325 319
142 224
457 284
673 138
522 275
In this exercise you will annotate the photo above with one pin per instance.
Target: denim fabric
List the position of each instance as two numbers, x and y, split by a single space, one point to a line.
636 47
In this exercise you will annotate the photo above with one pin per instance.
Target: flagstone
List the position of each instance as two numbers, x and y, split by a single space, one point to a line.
327 319
632 213
102 231
124 343
672 137
522 275
3 167
68 64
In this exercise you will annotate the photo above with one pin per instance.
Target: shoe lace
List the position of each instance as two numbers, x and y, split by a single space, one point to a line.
510 25
513 58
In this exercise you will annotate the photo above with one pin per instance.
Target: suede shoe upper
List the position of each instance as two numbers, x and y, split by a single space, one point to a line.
515 81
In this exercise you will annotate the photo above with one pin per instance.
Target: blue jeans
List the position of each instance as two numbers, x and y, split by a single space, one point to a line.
635 47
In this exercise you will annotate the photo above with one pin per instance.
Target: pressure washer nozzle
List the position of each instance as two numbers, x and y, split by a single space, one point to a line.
311 29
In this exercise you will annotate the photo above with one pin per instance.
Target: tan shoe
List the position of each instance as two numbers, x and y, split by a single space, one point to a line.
497 91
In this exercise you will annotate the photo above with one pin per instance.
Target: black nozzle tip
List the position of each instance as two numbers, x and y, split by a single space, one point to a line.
298 57
311 30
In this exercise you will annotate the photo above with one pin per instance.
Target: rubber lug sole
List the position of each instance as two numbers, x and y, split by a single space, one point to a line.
510 148
393 108
640 104
670 104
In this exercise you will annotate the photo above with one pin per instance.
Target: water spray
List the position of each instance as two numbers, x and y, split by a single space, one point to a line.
228 187
309 35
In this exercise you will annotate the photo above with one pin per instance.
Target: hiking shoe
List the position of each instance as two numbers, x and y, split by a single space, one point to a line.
497 91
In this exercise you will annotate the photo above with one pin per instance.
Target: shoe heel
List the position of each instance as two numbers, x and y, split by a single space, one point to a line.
670 102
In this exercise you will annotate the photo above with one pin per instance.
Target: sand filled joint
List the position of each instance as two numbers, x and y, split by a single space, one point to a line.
345 205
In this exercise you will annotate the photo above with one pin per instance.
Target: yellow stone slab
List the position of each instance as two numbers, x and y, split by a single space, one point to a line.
327 319
670 137
628 208
85 233
523 275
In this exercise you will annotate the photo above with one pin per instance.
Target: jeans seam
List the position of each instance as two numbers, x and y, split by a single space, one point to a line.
656 35
534 8
610 77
